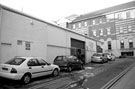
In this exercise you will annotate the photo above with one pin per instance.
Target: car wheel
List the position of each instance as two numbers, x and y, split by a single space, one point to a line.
26 79
69 69
55 72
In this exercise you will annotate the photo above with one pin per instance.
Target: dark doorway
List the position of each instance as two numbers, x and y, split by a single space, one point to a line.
78 49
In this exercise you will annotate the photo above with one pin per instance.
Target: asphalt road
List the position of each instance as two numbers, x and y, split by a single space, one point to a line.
96 74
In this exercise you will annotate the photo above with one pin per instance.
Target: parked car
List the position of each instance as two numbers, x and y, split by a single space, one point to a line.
113 57
110 56
99 57
26 68
68 62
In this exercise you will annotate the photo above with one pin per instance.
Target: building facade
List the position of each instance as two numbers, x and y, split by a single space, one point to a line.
115 26
25 35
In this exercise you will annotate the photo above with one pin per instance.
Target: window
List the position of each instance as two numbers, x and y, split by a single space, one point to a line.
59 58
73 26
85 24
132 13
108 30
42 62
122 44
101 32
94 22
128 14
33 62
123 15
129 28
109 45
100 20
19 42
15 61
118 16
110 17
130 43
94 32
79 25
121 29
27 45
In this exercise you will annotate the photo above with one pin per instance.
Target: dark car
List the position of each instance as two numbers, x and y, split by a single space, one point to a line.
68 62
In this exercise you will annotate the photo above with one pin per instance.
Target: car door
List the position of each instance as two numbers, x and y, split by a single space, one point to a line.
46 68
34 67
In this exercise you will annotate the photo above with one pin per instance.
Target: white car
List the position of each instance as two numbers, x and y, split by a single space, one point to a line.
26 68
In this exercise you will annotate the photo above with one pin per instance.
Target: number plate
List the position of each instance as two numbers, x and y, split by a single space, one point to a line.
3 68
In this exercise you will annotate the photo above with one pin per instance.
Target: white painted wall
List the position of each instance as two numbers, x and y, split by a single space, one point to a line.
17 27
90 49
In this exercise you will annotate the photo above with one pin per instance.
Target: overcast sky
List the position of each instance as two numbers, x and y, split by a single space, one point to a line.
51 10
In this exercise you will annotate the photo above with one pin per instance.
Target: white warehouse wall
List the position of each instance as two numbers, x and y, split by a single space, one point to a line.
18 27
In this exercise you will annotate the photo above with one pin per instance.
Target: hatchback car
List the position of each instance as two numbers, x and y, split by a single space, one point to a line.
98 57
26 68
68 62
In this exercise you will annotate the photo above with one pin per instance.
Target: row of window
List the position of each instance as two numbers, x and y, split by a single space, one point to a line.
122 46
107 18
100 31
126 29
130 44
27 44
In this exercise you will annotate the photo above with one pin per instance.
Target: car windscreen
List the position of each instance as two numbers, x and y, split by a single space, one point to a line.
15 61
106 54
97 54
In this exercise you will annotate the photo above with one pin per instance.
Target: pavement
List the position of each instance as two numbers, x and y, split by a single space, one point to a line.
127 82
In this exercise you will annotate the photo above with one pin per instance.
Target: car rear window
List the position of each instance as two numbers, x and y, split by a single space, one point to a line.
70 57
97 54
106 54
58 58
15 61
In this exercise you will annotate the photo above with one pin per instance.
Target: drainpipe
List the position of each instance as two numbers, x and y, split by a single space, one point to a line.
1 15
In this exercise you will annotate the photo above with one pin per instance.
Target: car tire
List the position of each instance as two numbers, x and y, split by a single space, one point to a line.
26 79
69 69
55 72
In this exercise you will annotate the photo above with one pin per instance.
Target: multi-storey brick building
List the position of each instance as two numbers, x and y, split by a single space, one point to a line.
115 26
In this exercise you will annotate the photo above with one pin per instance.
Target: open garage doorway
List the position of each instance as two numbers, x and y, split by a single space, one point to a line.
78 49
